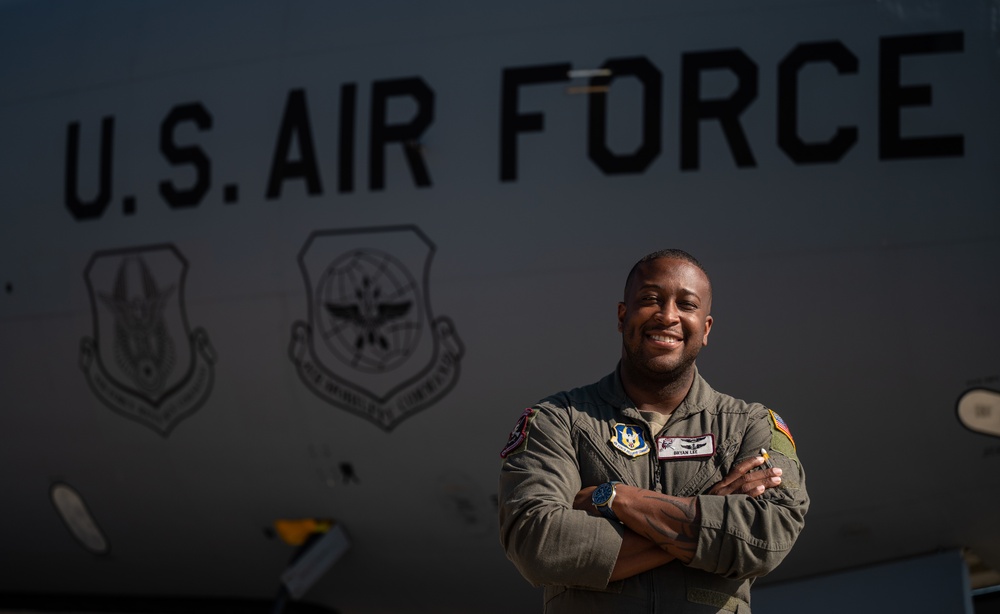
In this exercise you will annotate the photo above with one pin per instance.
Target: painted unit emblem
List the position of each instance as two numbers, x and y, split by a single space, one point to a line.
371 345
628 438
143 361
685 447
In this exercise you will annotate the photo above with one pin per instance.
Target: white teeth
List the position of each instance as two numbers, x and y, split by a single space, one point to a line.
664 339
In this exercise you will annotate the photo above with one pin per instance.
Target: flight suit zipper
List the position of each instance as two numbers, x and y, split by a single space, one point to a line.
657 471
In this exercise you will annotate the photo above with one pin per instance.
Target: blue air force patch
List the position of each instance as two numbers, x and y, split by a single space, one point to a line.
518 436
629 439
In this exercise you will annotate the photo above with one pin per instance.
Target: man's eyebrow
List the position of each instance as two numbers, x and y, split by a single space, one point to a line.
687 292
653 286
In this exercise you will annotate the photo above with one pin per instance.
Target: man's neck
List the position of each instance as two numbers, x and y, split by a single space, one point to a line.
662 396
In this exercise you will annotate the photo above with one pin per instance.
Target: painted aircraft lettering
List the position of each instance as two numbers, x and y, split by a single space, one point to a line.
295 158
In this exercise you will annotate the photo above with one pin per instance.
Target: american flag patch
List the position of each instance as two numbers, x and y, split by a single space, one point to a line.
781 426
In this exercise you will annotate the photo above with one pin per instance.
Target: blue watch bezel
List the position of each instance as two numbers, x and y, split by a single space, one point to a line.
602 498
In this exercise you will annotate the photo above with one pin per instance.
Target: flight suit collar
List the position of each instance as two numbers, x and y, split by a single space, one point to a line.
697 399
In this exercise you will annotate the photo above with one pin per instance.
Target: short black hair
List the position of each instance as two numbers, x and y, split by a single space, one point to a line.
678 254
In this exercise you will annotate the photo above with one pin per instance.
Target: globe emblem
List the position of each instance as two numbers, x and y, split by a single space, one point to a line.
369 312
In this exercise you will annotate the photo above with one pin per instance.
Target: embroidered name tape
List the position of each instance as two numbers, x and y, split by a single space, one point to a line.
628 438
668 448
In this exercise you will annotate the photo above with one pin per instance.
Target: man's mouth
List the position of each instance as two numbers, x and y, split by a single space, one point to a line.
670 339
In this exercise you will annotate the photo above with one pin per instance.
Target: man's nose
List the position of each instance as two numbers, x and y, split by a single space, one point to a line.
668 313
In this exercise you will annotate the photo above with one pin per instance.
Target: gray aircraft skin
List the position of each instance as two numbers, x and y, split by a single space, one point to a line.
304 260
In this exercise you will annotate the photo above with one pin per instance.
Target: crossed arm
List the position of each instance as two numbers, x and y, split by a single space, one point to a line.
660 528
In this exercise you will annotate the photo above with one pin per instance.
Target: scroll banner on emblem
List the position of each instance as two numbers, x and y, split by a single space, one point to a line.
371 345
143 361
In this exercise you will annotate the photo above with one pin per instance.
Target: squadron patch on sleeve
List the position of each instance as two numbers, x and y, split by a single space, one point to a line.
629 439
519 436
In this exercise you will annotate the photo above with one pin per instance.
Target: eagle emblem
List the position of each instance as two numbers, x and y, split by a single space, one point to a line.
368 314
142 360
371 345
629 439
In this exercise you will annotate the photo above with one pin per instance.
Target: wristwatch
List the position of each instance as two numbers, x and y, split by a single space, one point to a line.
603 497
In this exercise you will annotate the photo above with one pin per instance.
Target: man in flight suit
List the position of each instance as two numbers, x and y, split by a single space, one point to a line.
648 491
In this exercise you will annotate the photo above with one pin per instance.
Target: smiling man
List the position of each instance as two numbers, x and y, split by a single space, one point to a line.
649 491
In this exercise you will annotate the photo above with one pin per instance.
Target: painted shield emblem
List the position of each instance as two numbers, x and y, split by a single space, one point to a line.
143 361
371 345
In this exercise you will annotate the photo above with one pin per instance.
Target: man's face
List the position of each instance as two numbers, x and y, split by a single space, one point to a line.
664 319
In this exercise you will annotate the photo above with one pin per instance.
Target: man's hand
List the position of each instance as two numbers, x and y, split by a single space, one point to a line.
660 528
742 480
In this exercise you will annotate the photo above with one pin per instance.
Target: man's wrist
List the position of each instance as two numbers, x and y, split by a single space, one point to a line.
603 498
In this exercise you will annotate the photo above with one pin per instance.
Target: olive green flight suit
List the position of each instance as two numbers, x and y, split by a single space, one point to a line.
564 443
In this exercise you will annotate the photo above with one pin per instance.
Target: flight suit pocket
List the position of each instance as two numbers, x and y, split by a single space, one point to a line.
590 600
710 471
598 462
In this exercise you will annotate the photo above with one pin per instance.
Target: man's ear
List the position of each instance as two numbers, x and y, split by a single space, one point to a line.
708 329
621 316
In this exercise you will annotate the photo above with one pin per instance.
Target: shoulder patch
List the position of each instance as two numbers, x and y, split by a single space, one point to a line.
781 435
780 425
519 436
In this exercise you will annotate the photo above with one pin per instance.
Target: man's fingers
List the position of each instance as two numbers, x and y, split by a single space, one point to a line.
739 470
744 466
755 483
743 479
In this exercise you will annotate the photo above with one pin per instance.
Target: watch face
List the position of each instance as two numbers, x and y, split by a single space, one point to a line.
602 494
